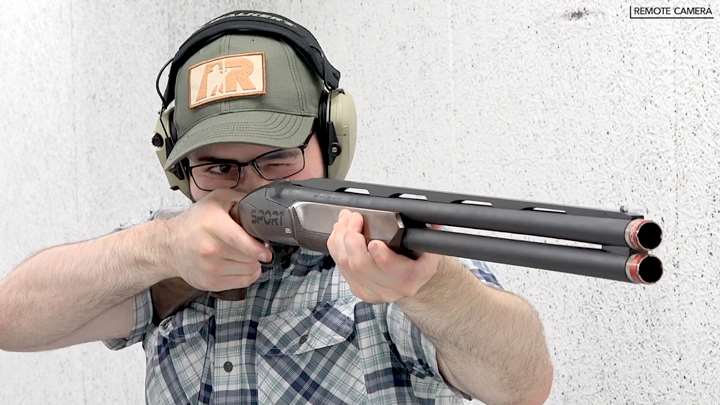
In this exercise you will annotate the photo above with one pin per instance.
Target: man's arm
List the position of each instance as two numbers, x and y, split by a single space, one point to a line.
115 323
489 342
47 301
81 292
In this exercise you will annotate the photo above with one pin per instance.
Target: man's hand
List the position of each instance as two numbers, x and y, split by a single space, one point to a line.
209 250
374 272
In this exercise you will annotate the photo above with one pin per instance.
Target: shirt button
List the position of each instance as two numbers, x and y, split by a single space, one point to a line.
228 366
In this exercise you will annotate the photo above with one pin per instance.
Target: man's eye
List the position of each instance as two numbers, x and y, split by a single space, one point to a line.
222 169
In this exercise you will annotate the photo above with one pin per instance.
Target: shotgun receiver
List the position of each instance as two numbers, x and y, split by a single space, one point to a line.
302 213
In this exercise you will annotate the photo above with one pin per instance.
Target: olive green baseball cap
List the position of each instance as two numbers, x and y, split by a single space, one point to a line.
243 89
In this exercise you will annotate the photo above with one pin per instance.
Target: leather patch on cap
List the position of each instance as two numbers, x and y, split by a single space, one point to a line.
226 77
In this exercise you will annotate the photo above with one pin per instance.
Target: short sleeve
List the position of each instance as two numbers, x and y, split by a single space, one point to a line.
482 271
417 351
141 325
143 300
419 356
162 213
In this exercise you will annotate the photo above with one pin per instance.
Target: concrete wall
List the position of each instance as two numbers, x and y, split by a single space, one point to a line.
559 101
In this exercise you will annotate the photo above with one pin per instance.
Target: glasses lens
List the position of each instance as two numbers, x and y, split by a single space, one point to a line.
217 175
280 164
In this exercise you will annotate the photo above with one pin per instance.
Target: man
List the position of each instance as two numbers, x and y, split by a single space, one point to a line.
368 326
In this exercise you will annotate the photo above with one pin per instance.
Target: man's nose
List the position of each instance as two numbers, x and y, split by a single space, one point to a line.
251 182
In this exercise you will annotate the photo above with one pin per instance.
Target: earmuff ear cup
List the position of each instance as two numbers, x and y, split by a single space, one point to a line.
162 129
344 118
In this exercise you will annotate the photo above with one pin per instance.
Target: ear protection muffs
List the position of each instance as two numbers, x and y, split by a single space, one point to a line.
336 124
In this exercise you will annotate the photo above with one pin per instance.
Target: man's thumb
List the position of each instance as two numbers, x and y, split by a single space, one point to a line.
225 198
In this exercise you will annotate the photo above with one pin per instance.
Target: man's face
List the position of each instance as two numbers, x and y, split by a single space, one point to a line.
241 152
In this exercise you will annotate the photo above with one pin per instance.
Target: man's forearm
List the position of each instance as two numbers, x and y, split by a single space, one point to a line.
60 289
489 342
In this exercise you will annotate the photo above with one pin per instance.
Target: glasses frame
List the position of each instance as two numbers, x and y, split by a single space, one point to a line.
240 165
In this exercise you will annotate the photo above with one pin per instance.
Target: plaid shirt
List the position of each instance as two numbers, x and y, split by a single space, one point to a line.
299 336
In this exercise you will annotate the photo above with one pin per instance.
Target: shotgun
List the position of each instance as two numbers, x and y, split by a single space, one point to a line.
290 213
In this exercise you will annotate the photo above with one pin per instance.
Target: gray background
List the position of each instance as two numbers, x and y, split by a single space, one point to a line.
557 101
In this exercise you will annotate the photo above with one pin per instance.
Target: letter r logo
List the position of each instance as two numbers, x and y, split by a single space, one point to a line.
227 77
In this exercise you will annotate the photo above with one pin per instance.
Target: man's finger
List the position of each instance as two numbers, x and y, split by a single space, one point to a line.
232 282
382 253
236 238
393 267
355 222
357 288
382 276
338 250
238 269
240 260
358 255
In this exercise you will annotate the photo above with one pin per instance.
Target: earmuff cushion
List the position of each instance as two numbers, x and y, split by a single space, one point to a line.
343 117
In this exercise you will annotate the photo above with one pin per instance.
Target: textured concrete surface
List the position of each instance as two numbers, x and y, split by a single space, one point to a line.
559 101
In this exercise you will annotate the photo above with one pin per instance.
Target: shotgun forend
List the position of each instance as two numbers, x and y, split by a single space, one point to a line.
302 213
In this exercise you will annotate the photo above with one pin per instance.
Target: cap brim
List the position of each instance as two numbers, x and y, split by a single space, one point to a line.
256 127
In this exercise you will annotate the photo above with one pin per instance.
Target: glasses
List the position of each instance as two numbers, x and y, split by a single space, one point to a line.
223 173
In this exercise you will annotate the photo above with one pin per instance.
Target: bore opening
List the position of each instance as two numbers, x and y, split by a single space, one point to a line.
650 269
649 235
